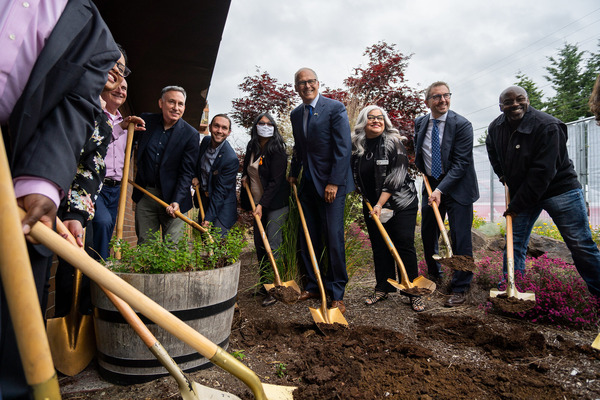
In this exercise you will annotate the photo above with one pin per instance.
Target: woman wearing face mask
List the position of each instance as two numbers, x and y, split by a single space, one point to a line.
264 170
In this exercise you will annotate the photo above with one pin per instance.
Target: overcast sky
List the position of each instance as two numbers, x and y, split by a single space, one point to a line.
476 46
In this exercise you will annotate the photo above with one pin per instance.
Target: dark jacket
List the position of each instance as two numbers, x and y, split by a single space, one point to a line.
459 179
54 117
271 171
221 184
533 160
326 149
391 166
177 164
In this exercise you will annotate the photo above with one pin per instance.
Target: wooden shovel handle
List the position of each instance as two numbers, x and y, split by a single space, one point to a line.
263 235
311 252
509 227
19 288
194 224
125 177
128 314
438 217
403 275
200 206
146 306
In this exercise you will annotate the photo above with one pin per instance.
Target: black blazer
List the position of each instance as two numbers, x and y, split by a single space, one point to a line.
327 148
460 180
221 184
177 164
272 177
54 117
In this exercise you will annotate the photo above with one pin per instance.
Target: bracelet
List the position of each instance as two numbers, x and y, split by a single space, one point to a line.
377 205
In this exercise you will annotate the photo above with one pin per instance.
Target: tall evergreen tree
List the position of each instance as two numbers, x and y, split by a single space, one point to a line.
565 75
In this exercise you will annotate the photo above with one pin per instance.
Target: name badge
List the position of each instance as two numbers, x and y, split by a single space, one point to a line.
382 162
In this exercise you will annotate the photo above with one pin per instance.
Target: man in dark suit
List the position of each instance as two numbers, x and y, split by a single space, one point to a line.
216 174
447 160
322 149
57 68
166 157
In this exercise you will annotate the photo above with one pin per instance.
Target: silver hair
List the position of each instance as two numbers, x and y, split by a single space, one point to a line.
359 137
304 69
173 88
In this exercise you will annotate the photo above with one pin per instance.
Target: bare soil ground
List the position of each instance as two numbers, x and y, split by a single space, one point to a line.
389 351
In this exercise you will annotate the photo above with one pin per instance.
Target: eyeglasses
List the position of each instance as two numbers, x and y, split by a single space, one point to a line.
123 70
510 102
375 117
310 82
438 97
264 123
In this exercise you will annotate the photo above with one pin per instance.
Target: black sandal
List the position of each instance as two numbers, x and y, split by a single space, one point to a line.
417 304
375 297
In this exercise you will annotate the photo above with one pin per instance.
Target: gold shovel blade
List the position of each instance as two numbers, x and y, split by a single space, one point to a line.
396 284
72 350
292 284
424 283
329 316
596 343
276 392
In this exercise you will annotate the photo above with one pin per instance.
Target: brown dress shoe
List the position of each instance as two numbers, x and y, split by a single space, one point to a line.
339 304
456 299
305 295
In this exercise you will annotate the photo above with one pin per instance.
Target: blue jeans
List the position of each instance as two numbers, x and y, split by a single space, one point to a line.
569 213
104 220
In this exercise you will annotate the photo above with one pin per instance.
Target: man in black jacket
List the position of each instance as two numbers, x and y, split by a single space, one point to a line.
166 157
528 151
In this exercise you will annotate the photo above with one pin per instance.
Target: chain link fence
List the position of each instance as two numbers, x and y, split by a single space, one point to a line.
584 150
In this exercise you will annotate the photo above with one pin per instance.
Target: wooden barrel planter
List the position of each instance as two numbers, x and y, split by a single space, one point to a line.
202 299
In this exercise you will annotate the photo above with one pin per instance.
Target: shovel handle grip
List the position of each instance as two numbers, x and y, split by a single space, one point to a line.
438 217
194 224
125 177
263 235
403 275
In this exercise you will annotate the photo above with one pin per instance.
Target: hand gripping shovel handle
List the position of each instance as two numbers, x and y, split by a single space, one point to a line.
194 224
146 306
263 235
438 217
21 295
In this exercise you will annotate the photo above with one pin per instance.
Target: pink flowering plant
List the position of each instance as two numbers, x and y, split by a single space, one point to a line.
562 297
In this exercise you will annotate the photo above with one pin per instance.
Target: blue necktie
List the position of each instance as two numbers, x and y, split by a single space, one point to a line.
309 108
436 155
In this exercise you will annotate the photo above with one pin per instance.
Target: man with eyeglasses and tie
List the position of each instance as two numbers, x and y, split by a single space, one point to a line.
322 150
444 153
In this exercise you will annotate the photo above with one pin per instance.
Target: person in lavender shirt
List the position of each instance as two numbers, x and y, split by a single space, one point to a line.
54 60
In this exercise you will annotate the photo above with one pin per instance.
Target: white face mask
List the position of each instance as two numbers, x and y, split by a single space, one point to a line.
265 130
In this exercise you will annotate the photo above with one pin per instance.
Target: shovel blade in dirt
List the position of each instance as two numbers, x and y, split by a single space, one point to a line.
327 316
291 284
596 343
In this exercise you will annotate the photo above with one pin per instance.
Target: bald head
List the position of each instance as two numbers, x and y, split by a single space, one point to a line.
514 103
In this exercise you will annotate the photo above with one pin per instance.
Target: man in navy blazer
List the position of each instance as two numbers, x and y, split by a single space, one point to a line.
322 149
454 190
216 173
166 158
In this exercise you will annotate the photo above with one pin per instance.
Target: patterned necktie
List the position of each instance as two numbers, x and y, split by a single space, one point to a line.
309 108
436 156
